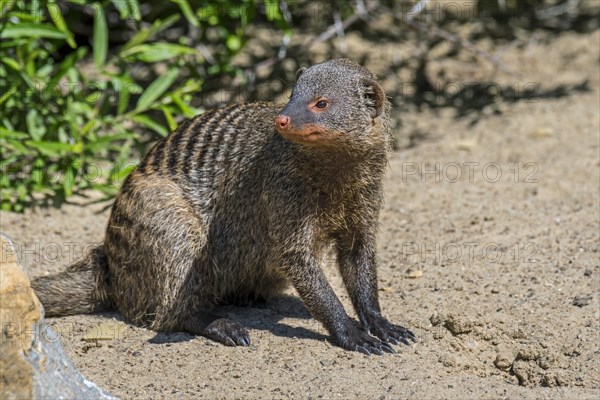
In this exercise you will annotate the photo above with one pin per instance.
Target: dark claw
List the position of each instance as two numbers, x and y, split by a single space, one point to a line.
229 342
390 333
375 350
406 335
406 342
361 340
245 341
387 348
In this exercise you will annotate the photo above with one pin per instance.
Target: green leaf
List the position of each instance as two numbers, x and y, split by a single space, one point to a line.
124 82
8 134
169 117
69 181
28 81
9 44
184 5
156 89
17 146
88 126
123 8
8 94
233 43
67 64
272 10
124 96
148 33
35 8
35 125
30 63
152 124
185 109
104 142
100 43
120 171
128 8
54 149
31 31
134 9
126 87
60 23
159 51
12 63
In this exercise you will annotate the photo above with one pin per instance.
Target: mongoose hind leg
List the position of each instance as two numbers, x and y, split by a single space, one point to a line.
222 330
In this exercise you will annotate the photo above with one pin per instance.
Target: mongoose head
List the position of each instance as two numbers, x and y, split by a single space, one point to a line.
337 102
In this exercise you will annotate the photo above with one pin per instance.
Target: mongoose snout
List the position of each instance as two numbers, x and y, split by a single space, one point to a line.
299 122
239 203
282 122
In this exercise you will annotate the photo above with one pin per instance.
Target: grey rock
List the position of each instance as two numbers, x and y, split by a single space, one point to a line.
33 363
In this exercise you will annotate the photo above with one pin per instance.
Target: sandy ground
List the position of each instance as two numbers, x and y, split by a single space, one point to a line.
489 252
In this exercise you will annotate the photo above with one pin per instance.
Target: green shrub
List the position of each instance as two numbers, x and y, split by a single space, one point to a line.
81 81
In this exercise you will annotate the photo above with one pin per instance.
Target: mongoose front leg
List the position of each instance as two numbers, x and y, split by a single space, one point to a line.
320 299
359 272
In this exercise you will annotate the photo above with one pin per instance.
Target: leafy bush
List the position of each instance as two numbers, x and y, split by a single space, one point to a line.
85 85
79 78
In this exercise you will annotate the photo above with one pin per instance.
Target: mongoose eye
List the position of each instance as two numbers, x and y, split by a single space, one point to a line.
319 105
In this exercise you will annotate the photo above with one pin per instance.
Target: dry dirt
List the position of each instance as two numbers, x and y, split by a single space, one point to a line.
489 252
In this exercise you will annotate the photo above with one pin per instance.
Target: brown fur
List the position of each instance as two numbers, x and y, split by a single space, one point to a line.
226 210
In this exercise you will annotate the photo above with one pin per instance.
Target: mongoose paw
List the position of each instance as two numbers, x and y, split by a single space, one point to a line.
356 339
391 333
228 332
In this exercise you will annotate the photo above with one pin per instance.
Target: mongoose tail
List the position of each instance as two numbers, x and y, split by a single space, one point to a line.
80 289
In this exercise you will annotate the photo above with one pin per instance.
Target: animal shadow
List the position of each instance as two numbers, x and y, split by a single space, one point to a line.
264 317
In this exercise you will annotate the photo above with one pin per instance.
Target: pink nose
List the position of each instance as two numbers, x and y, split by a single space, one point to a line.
282 121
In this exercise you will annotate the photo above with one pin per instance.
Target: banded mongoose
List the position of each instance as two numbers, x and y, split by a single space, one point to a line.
239 202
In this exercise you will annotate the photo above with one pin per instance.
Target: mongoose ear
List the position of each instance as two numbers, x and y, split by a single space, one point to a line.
299 72
374 96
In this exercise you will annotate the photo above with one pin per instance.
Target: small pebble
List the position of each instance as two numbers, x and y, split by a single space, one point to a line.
415 274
